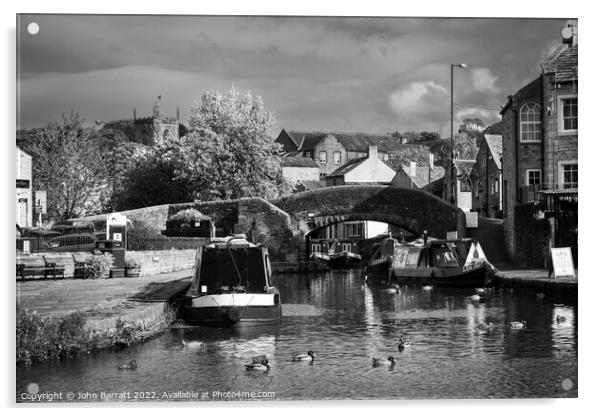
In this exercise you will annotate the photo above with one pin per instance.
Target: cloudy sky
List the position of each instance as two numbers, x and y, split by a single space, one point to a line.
334 74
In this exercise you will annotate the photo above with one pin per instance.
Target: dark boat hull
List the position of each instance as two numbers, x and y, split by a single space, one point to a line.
344 260
455 277
226 316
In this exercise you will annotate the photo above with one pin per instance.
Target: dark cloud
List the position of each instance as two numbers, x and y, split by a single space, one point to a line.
314 72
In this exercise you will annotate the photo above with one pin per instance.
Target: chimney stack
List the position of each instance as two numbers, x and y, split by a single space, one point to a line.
373 152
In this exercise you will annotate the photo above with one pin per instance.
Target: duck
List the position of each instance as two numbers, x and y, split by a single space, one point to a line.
191 344
560 318
129 366
310 356
479 290
518 324
258 366
393 288
389 362
427 287
475 298
485 327
403 344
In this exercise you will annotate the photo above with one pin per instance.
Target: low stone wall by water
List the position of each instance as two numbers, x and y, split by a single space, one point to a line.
162 261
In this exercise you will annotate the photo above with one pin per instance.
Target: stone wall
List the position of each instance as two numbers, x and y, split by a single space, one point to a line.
163 261
329 145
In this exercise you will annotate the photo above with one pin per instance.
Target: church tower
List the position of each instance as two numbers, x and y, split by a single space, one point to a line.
153 130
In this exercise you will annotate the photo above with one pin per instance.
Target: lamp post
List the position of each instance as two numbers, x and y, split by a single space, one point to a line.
452 176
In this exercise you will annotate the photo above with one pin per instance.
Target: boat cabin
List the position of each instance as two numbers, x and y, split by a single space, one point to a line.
232 265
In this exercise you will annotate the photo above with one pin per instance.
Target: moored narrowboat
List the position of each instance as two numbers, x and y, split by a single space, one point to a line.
429 262
232 285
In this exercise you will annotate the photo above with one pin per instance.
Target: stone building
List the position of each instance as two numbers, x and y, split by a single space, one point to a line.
486 177
24 196
333 150
540 141
152 130
298 168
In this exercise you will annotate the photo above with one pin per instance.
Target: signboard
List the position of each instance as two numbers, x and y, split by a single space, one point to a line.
452 235
562 261
116 218
472 219
40 198
22 183
117 236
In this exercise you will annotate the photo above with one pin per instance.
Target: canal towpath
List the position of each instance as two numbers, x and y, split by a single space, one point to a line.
104 301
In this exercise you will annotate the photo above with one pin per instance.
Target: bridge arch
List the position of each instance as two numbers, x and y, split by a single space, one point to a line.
413 210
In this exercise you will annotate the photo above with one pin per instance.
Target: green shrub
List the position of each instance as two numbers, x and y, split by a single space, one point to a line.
186 217
138 233
100 265
40 339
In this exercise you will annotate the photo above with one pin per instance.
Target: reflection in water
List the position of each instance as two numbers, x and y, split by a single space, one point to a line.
346 323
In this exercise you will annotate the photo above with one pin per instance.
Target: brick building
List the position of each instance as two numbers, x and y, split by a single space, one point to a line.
540 141
486 177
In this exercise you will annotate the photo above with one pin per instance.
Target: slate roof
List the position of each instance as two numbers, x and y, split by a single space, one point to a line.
347 167
494 141
355 142
309 185
298 162
422 175
563 63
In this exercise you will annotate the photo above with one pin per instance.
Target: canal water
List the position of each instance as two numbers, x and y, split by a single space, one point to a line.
345 323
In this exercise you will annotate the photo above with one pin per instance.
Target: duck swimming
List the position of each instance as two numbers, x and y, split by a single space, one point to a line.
310 356
427 287
518 324
389 362
258 366
129 366
475 297
403 344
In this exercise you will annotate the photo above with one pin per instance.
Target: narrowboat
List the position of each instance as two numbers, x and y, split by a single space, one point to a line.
429 262
232 285
337 257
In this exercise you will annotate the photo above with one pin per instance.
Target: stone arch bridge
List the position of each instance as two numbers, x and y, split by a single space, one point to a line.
283 224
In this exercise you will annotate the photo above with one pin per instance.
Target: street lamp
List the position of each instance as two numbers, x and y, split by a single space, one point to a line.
451 151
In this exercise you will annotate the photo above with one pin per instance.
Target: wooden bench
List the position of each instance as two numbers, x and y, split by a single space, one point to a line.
81 269
38 266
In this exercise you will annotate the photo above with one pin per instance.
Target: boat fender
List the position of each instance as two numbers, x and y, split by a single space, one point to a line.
234 315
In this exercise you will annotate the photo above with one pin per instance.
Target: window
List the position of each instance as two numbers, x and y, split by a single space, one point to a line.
308 154
347 247
336 158
567 114
322 157
568 175
497 186
483 160
530 123
533 177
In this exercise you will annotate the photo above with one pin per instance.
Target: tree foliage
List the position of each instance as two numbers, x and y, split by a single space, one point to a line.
72 166
495 128
229 152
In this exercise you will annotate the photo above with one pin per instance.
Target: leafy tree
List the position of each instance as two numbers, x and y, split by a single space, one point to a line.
495 128
228 151
72 166
151 180
429 136
473 124
411 136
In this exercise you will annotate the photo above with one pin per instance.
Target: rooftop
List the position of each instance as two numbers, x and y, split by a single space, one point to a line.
349 166
298 162
563 63
494 142
358 142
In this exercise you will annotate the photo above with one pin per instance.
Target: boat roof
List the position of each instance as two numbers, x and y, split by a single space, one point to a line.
236 240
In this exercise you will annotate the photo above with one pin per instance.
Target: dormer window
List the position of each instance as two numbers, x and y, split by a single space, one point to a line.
323 157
